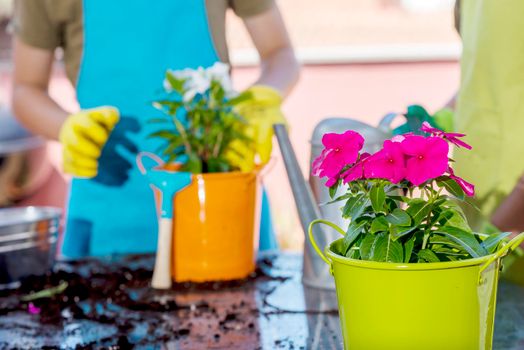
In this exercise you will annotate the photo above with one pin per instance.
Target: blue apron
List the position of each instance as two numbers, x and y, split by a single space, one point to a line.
128 46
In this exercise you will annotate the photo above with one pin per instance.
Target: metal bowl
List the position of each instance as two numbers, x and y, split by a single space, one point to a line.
24 166
28 238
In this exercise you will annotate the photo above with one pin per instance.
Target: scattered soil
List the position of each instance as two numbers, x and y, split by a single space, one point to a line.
119 295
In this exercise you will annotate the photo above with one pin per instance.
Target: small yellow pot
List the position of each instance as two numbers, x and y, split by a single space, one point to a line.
446 305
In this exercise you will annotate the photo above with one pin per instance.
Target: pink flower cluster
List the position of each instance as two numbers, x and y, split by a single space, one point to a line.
409 157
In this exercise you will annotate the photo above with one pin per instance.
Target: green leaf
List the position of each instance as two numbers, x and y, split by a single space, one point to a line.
452 203
165 134
338 199
399 218
338 247
367 245
452 217
427 255
419 209
193 164
408 249
378 197
354 207
452 187
217 165
353 254
176 84
492 242
400 198
465 239
172 148
352 234
391 204
444 241
379 224
333 190
46 293
400 231
385 249
396 252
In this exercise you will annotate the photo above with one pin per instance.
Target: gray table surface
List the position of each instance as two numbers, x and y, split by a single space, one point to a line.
269 314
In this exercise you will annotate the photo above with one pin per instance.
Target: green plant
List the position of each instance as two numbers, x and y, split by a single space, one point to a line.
430 227
403 200
200 119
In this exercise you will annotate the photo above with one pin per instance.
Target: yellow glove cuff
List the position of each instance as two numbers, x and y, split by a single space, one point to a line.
265 95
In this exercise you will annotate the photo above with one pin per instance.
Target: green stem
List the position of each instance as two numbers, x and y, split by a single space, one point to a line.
425 241
218 144
46 293
427 229
180 128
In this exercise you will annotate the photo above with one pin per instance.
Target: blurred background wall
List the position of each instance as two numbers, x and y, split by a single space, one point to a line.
362 59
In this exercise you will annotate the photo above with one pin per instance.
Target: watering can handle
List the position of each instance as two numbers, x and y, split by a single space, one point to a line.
140 161
385 122
312 238
506 249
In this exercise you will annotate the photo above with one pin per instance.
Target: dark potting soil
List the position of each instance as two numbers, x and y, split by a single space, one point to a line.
118 294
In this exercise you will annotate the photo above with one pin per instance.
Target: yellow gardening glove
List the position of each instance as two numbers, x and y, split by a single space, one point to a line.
83 135
261 111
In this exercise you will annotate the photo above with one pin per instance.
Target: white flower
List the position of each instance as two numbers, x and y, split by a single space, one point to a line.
198 81
220 72
182 74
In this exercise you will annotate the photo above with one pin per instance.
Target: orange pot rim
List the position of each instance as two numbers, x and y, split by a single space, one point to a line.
229 174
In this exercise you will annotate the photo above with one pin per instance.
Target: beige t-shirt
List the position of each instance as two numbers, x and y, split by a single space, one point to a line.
49 24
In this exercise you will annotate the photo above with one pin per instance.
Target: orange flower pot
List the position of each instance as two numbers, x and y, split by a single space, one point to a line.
216 223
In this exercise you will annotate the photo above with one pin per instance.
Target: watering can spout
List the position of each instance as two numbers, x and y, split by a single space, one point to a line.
307 207
315 272
307 195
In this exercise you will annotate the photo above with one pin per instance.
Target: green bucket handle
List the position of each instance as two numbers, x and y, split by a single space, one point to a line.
312 238
504 250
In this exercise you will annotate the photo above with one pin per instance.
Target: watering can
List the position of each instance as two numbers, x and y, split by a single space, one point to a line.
310 195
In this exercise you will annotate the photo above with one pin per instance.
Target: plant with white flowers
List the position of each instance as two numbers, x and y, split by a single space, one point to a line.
201 119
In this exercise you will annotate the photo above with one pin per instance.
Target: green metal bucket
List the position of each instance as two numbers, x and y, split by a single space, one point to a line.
440 306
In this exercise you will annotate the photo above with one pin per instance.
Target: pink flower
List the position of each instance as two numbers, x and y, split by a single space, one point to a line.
356 172
323 167
331 181
388 163
340 151
317 163
452 137
428 158
468 188
32 309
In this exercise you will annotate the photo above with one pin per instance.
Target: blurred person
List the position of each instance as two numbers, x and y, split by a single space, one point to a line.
489 109
115 54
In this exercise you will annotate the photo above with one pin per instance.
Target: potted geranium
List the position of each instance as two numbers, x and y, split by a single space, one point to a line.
409 271
215 218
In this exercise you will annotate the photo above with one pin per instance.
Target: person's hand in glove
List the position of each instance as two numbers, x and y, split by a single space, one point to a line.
83 135
261 111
